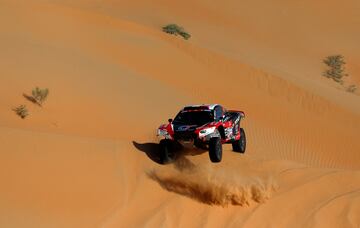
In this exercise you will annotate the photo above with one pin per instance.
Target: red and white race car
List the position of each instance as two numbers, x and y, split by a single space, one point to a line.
205 126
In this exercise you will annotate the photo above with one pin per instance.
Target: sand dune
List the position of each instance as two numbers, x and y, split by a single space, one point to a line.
87 158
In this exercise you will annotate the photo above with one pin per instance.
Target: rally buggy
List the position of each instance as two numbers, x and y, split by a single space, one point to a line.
202 126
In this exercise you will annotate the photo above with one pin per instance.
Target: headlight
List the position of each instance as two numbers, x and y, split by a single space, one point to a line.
207 131
162 132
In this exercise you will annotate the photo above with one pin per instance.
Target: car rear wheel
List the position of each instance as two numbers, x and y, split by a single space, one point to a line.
166 151
215 149
240 145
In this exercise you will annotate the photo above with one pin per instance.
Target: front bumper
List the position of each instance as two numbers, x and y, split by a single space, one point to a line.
192 137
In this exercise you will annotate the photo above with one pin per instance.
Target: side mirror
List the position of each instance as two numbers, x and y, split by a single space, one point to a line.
170 120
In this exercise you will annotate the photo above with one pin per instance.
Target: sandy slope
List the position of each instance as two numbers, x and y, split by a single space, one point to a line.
85 158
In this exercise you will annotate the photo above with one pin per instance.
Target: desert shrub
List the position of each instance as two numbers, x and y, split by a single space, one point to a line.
335 69
40 94
174 29
351 88
21 111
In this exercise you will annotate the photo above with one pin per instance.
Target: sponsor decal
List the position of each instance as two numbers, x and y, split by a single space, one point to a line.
186 128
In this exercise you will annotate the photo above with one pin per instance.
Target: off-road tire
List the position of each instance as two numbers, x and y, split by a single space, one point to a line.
166 154
215 149
240 145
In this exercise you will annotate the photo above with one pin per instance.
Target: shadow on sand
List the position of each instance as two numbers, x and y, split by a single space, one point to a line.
31 99
152 151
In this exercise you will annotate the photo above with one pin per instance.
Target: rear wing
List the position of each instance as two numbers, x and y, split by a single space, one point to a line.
242 114
234 115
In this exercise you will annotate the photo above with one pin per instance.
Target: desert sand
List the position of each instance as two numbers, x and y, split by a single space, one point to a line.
87 157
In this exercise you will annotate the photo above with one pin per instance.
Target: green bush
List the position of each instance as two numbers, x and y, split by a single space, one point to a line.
174 29
40 95
21 111
335 69
351 88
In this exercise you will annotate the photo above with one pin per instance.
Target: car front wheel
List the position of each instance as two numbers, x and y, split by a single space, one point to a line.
166 151
215 149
